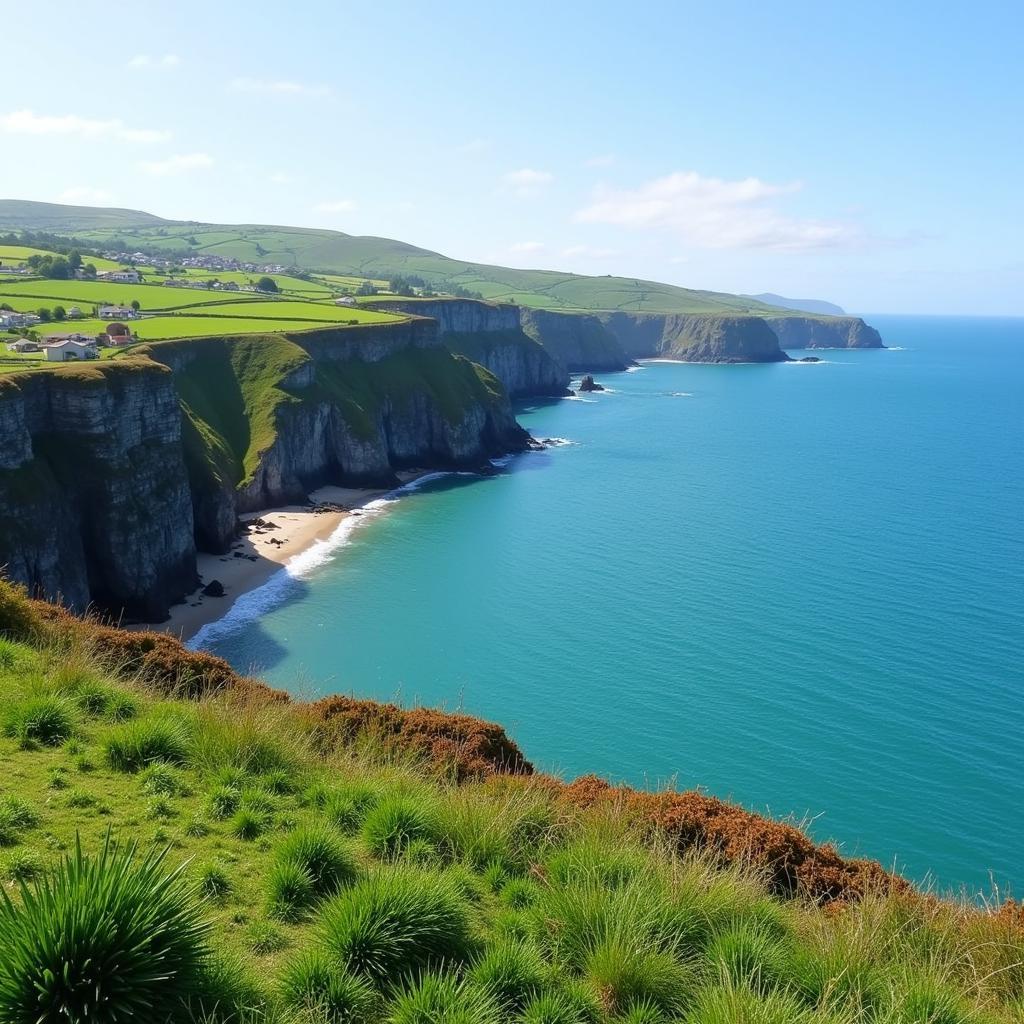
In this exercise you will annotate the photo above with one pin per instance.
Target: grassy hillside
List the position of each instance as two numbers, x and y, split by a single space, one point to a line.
370 257
351 862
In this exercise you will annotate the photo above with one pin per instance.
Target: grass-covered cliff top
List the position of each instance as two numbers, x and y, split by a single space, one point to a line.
346 861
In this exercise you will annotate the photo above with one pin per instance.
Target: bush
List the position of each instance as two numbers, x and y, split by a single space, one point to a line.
105 938
44 719
290 891
315 983
444 999
138 744
395 822
511 973
322 856
395 922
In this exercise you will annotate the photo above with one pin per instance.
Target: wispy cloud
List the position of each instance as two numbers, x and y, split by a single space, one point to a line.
84 194
526 247
714 213
27 122
527 181
278 87
603 160
147 62
179 163
336 206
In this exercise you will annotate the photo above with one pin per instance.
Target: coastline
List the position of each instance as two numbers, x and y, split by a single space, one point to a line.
287 535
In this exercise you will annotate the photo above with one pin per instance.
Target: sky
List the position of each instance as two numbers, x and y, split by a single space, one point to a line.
870 154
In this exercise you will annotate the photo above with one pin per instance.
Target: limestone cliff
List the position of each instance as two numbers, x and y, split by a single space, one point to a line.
696 339
490 334
94 495
580 341
825 332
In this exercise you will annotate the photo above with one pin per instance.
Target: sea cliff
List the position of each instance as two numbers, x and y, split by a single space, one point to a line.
825 332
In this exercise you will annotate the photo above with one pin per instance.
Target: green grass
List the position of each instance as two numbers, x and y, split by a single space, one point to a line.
373 889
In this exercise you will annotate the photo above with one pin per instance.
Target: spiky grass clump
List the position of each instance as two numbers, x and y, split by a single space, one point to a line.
215 882
264 937
396 922
255 739
223 801
326 859
511 972
347 805
736 1004
445 999
22 866
16 817
46 719
146 741
290 892
249 823
749 954
592 859
162 780
396 822
110 937
314 982
628 974
559 1007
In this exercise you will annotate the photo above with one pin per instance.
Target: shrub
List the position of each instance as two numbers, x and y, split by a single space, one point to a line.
105 938
138 744
511 973
314 982
214 882
395 822
44 719
322 856
290 891
444 999
395 922
628 975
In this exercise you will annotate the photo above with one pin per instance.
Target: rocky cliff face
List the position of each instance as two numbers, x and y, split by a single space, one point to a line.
94 495
490 334
833 332
696 339
581 342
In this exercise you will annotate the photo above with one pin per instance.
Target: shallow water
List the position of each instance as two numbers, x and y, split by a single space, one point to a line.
800 586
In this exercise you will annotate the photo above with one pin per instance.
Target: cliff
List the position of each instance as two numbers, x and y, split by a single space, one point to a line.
580 341
695 339
491 334
112 473
94 495
824 332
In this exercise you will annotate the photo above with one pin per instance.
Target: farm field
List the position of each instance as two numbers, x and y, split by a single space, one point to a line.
20 253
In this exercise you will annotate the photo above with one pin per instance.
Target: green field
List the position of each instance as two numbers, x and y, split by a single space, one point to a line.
20 253
360 257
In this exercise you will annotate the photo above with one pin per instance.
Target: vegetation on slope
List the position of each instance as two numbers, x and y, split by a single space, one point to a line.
354 862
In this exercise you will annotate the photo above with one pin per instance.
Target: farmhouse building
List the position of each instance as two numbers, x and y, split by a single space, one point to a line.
69 349
116 313
24 345
120 276
118 334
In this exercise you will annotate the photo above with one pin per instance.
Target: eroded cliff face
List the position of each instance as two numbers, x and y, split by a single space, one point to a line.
579 341
831 332
696 339
94 495
490 333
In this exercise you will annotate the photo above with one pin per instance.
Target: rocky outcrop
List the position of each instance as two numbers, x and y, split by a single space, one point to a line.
579 341
94 495
490 334
824 332
694 339
588 384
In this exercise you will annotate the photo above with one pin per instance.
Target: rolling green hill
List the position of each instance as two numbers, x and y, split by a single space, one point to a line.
369 257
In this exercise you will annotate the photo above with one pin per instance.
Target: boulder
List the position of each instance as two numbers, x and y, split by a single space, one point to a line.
589 384
213 589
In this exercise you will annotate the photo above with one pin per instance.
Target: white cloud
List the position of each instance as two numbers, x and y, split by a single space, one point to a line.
277 87
143 61
715 214
27 122
336 206
524 247
180 163
604 160
527 182
84 194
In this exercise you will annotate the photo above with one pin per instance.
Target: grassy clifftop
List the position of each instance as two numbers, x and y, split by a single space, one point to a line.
345 861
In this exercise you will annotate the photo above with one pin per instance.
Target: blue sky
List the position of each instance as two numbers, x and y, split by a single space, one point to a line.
869 154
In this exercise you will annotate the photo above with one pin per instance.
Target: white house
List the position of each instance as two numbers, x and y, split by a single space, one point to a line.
24 345
346 300
74 313
14 319
120 276
68 350
116 313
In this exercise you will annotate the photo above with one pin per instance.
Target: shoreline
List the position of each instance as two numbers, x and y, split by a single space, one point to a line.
272 541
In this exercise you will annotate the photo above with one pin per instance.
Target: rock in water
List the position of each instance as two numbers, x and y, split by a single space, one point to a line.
589 384
213 589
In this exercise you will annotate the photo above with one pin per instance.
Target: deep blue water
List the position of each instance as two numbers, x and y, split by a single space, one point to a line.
798 586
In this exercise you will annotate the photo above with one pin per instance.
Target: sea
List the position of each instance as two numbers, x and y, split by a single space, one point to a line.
796 586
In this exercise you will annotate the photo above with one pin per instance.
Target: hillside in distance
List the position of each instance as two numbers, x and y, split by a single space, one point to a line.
817 306
370 257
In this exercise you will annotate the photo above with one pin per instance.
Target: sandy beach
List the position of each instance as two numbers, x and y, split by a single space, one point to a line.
269 541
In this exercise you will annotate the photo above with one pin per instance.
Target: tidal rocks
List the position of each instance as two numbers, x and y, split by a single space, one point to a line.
213 589
589 384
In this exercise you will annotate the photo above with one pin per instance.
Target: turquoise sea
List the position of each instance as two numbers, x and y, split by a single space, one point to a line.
797 586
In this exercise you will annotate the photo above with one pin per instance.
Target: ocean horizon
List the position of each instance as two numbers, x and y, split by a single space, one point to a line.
798 586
